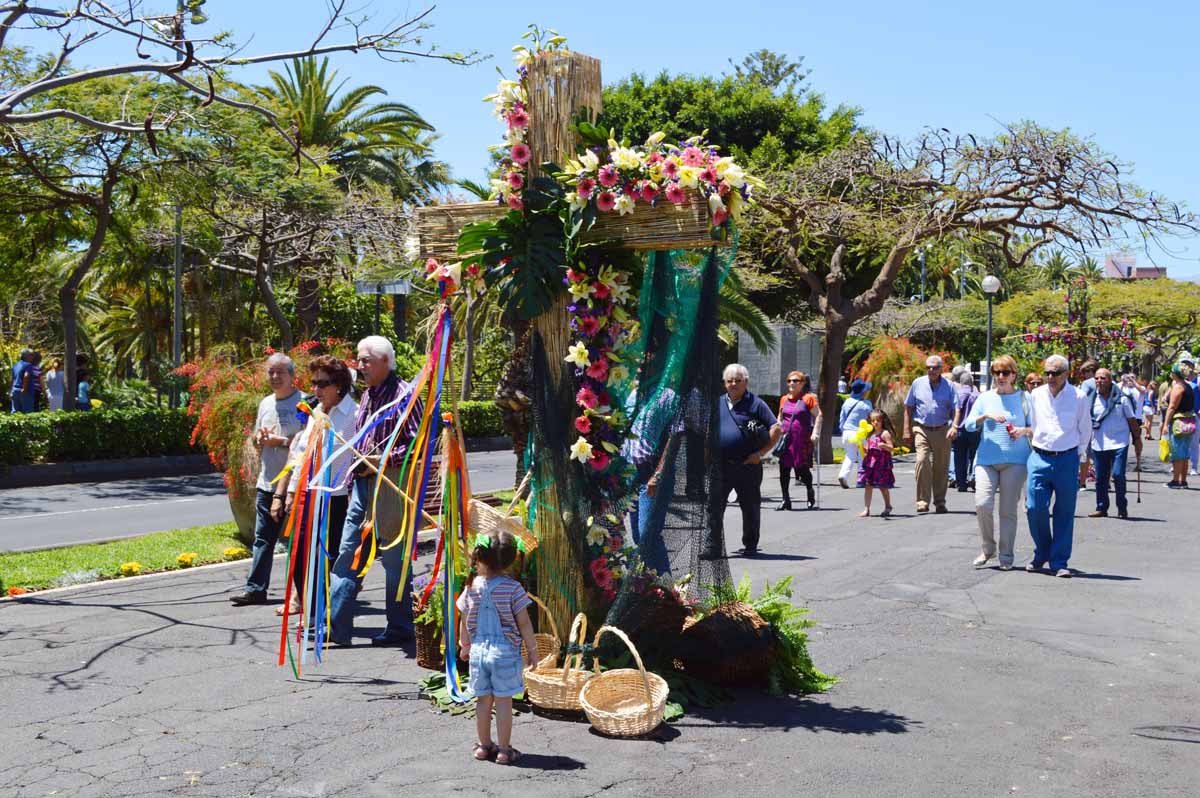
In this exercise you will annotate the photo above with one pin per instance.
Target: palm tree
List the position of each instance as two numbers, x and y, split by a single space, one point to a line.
1089 267
386 143
1057 270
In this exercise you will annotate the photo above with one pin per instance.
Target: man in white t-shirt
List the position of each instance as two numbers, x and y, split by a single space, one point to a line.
1114 425
274 428
1060 430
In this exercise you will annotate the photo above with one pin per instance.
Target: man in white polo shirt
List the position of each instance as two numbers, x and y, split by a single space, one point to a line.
1060 430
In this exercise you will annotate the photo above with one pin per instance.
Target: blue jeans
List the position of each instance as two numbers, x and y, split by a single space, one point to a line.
1052 531
1110 462
344 582
266 533
22 402
648 521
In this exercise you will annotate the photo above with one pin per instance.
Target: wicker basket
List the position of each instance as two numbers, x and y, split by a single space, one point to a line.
731 646
429 640
624 702
551 687
485 518
548 645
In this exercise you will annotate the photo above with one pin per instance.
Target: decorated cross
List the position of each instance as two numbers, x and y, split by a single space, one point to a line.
558 88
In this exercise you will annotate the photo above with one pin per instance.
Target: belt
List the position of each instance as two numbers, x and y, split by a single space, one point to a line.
1048 453
926 426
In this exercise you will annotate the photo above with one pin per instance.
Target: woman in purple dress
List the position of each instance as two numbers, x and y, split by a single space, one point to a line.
799 416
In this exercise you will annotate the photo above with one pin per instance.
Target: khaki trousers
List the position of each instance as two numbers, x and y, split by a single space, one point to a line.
933 463
1007 479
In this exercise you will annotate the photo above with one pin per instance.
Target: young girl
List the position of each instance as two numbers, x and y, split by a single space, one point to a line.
875 470
494 623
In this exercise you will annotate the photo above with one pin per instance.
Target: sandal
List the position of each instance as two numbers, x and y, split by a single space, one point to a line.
508 756
484 752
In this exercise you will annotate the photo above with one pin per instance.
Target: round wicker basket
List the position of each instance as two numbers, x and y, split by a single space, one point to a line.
731 646
550 687
548 644
624 702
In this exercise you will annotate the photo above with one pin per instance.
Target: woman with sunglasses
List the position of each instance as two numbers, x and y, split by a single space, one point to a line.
331 385
1000 416
800 416
1033 380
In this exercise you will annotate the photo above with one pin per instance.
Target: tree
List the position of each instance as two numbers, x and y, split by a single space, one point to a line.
1056 270
772 71
848 222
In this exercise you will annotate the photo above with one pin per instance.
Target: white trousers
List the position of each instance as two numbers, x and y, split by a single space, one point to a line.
849 469
1007 479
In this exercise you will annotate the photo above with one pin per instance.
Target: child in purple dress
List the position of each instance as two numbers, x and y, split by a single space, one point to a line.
875 470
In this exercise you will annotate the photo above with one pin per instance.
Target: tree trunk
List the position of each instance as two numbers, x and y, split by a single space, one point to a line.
400 316
267 288
836 330
468 371
308 307
67 295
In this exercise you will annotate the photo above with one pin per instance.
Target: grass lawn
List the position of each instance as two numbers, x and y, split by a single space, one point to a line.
38 570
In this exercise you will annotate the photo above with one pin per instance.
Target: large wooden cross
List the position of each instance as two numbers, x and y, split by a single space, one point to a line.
560 85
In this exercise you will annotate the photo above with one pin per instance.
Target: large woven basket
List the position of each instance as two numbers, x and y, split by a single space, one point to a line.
551 687
548 644
485 518
624 702
731 646
429 646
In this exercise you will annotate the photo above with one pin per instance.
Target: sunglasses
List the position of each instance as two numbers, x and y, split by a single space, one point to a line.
933 368
793 380
1054 373
322 383
1002 372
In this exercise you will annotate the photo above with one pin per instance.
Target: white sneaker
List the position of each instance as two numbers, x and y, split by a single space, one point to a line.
1064 573
981 560
1192 473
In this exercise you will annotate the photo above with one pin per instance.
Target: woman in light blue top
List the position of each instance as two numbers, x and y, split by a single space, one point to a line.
1002 415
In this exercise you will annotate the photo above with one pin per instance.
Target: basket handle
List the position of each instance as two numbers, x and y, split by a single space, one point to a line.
519 492
636 657
546 610
578 626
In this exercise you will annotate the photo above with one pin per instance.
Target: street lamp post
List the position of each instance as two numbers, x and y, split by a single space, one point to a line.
991 284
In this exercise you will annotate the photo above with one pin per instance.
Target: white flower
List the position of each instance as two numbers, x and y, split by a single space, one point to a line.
624 204
581 450
722 164
714 202
735 176
453 273
578 354
499 187
590 161
597 536
576 201
689 176
626 158
580 290
522 55
618 374
655 138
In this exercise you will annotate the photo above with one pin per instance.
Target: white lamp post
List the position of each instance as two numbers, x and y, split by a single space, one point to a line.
991 284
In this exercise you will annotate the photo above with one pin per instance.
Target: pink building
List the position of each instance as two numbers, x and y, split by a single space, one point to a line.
1123 266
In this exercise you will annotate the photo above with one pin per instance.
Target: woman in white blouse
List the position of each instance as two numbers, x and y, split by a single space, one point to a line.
331 385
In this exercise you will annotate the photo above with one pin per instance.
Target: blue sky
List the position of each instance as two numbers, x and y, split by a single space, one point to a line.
1125 76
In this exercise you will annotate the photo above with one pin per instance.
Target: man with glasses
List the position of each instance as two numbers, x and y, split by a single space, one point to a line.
748 431
929 409
1113 419
376 364
274 428
1060 430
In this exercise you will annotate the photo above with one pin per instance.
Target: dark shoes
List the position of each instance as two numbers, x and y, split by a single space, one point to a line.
747 552
941 509
390 638
1123 514
1098 514
243 599
786 504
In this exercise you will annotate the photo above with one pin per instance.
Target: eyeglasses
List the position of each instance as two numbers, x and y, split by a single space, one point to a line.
1002 372
363 359
790 381
322 383
934 368
1058 373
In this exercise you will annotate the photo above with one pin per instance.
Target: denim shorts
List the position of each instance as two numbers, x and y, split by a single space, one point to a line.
496 669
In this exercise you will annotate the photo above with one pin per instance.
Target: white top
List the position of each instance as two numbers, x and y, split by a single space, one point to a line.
1113 431
279 416
55 382
1060 422
342 418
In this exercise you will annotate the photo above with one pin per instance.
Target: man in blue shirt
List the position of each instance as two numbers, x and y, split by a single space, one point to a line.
928 411
1113 419
22 393
748 431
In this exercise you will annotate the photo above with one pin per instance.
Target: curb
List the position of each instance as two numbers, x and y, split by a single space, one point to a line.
46 474
422 539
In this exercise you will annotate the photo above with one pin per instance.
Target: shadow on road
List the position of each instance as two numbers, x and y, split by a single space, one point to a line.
789 713
1173 734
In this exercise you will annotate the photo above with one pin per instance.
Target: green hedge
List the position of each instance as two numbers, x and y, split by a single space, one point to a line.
144 432
94 435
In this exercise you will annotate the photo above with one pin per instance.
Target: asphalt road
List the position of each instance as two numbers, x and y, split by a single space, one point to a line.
61 515
954 682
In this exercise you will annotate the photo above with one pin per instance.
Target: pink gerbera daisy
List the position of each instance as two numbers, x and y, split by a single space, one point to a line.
518 117
709 175
675 194
598 370
587 398
670 168
514 202
583 424
586 187
606 201
724 189
693 156
521 153
516 180
609 176
649 192
600 460
589 325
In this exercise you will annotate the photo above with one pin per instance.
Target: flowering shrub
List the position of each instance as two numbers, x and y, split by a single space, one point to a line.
186 560
16 591
236 553
130 568
894 363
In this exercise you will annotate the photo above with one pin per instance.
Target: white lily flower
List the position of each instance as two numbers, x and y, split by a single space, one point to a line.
576 201
581 450
735 176
580 290
689 176
590 161
626 158
597 536
577 353
624 204
714 202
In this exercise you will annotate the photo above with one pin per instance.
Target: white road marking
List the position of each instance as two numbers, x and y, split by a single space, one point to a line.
4 518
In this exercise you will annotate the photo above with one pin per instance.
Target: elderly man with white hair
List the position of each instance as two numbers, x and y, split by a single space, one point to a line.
748 431
1060 430
377 366
274 428
929 410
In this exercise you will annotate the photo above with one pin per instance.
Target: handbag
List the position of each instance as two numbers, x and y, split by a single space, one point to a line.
1182 427
782 444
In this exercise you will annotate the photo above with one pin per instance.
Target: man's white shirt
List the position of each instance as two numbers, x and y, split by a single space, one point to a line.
1060 422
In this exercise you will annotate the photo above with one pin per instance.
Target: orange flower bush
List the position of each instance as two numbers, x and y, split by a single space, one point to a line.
894 363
